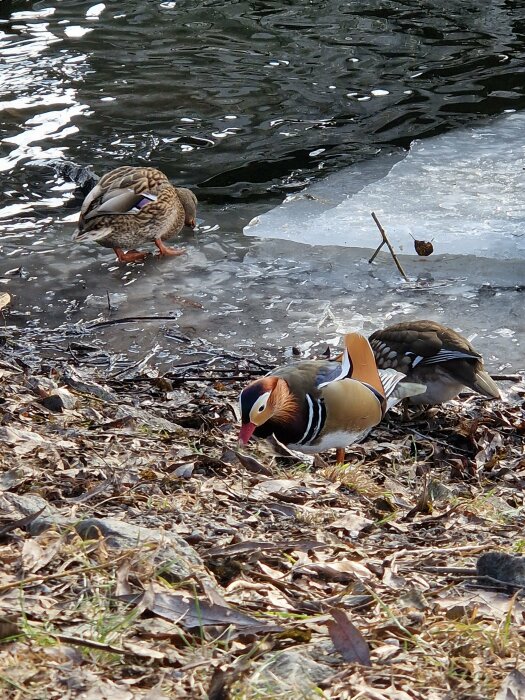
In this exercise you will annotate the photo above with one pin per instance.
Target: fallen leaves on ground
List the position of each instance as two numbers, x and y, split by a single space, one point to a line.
145 557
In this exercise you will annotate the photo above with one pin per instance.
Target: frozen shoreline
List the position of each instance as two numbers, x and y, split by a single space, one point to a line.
463 189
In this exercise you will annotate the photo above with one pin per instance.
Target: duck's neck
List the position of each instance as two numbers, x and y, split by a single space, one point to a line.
300 426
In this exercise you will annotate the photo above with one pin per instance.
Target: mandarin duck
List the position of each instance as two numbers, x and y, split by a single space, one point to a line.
315 405
431 354
131 206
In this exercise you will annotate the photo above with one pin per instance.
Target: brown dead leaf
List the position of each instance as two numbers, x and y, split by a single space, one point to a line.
106 690
288 490
353 523
513 687
123 587
252 465
194 612
143 651
261 545
487 604
219 688
155 694
22 522
8 628
347 639
25 441
343 571
185 471
424 501
5 299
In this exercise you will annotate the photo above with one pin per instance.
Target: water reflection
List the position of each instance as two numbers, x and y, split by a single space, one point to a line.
245 101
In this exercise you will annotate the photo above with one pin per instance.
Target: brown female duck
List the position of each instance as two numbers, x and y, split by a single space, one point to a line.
132 206
433 355
316 405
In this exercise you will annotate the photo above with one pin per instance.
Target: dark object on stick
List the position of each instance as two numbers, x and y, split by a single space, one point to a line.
502 567
423 248
385 240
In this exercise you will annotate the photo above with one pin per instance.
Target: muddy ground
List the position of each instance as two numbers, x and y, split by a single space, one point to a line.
144 556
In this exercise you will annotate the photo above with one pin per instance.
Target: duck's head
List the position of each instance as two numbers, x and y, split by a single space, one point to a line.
262 400
189 202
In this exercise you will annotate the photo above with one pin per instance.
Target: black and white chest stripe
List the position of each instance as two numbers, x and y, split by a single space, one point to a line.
316 420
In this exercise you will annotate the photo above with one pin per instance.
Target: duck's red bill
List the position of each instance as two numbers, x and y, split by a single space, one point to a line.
246 432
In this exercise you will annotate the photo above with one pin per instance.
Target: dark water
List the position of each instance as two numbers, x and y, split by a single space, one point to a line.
244 102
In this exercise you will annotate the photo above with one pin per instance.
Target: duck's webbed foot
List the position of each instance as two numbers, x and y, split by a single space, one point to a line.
130 256
165 250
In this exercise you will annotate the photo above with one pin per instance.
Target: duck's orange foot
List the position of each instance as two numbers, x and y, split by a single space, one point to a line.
130 256
340 455
164 250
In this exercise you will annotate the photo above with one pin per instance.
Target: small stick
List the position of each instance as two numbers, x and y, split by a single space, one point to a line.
449 570
61 574
385 240
376 252
506 377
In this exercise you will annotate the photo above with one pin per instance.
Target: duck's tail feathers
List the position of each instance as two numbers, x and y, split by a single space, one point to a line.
396 389
486 385
92 235
358 359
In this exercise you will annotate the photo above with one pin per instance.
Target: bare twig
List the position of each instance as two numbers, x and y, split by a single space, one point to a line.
458 571
134 319
385 240
61 574
376 252
91 644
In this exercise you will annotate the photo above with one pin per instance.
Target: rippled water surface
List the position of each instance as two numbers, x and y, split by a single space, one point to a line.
245 102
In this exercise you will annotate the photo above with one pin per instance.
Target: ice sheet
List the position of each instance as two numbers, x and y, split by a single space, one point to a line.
465 190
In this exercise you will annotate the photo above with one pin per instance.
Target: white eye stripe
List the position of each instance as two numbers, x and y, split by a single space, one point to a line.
260 404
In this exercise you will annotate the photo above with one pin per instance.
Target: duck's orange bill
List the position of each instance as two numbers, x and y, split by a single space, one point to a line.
246 432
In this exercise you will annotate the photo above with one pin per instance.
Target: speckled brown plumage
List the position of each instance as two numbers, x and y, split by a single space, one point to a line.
131 206
431 354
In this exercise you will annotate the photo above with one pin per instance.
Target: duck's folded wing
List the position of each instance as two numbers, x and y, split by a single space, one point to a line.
405 349
332 372
445 355
118 202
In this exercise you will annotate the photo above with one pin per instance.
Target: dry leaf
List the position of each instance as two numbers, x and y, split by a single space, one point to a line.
22 522
343 571
513 687
5 299
353 523
252 465
194 612
122 586
8 628
347 639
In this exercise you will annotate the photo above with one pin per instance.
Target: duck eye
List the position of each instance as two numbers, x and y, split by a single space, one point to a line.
261 409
